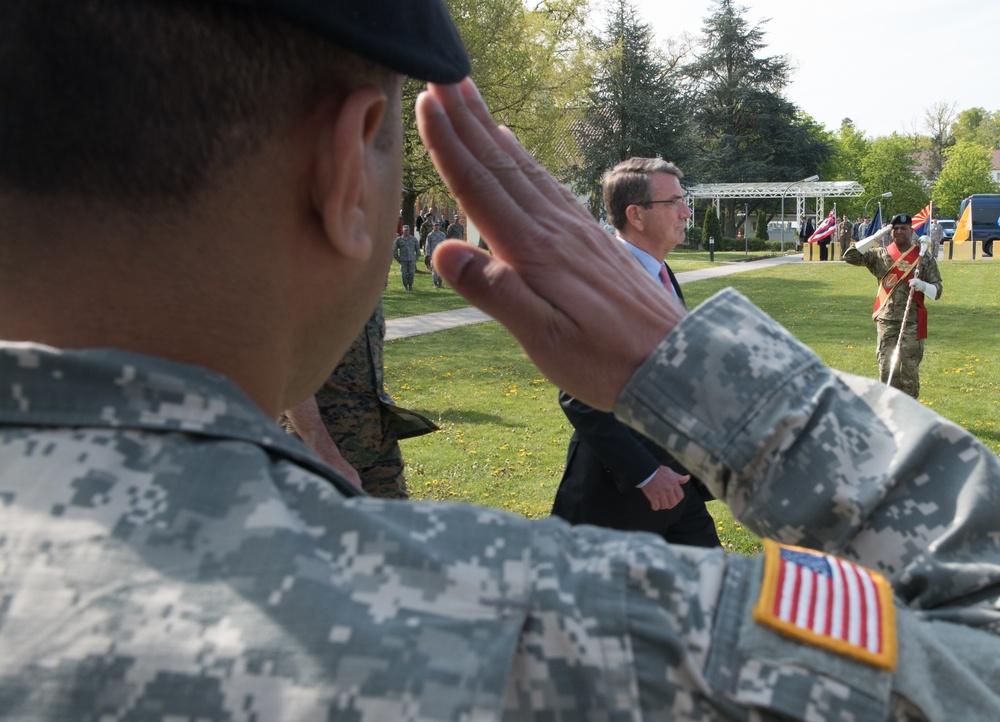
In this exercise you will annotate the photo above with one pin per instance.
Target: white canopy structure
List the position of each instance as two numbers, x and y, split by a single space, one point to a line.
800 190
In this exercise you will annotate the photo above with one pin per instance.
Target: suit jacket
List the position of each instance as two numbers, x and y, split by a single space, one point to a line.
605 462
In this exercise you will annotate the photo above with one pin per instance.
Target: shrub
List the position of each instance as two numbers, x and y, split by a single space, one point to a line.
753 244
760 233
712 228
693 237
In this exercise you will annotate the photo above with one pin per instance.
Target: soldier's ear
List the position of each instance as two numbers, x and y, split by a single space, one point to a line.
343 160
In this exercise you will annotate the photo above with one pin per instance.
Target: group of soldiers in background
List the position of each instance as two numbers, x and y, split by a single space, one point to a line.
407 248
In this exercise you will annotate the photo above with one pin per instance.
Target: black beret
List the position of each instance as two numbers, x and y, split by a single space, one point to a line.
412 37
901 219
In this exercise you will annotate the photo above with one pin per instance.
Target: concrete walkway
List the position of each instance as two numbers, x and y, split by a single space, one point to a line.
430 322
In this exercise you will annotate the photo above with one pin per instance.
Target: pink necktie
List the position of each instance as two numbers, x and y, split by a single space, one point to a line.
665 280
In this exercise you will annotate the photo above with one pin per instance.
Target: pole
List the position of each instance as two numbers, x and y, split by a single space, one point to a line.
882 216
746 229
783 221
906 314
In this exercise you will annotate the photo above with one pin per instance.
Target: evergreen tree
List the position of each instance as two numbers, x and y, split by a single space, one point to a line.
712 228
747 131
760 232
634 107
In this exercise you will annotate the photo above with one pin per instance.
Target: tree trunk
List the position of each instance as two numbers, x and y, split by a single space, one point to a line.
729 218
407 204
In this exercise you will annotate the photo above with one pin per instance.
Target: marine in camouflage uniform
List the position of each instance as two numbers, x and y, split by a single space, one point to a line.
889 316
363 420
165 549
434 239
406 251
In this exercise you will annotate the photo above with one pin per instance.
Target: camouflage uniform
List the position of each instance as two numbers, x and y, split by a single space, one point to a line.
433 240
361 417
406 251
890 318
425 230
456 230
166 555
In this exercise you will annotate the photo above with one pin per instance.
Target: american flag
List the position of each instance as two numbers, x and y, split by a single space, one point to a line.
830 602
826 229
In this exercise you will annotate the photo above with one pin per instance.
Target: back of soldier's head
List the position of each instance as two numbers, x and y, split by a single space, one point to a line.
141 102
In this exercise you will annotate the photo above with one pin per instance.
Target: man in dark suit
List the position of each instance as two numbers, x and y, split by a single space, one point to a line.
614 476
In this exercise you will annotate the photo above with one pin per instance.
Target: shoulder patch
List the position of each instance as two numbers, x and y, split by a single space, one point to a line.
828 602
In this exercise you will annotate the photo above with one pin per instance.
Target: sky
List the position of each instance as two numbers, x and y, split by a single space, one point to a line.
881 63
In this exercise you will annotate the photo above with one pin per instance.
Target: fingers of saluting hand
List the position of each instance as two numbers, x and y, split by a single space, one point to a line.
498 181
572 297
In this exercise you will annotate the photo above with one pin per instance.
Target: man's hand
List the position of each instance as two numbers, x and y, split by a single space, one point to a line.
567 293
664 489
929 290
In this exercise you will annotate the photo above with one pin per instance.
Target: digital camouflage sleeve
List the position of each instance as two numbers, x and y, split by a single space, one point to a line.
167 553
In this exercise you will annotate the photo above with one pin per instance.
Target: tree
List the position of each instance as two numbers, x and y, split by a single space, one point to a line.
849 150
527 63
889 165
938 120
747 131
634 107
966 171
977 125
712 228
760 232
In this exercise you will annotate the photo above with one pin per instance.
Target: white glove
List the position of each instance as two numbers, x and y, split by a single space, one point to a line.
925 244
929 290
867 243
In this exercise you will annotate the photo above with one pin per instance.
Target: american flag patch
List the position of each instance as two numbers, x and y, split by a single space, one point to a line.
828 602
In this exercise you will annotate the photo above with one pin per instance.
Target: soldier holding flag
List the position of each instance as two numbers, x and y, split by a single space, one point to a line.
902 269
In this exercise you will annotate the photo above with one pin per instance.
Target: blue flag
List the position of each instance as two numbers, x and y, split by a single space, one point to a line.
876 225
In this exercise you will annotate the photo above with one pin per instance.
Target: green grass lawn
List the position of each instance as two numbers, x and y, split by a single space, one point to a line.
424 298
503 436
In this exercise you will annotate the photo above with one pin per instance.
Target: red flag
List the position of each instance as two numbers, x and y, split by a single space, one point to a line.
826 229
920 219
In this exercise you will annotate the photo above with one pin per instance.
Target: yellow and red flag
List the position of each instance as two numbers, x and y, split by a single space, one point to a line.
917 224
963 230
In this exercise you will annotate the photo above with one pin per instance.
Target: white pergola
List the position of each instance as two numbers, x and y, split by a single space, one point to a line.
800 190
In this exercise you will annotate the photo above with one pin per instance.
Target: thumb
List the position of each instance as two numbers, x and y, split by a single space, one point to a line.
684 479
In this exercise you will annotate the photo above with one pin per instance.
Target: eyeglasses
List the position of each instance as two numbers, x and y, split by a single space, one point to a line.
669 201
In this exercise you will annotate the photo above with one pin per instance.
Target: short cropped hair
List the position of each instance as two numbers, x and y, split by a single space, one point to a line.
628 184
141 103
